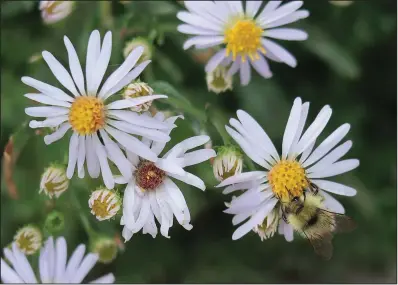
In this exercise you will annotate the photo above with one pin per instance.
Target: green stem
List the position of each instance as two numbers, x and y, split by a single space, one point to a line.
83 218
106 14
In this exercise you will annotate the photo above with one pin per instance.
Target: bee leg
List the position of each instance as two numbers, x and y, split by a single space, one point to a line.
284 217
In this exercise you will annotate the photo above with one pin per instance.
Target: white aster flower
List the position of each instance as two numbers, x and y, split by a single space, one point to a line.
54 11
53 265
104 204
244 34
288 174
28 239
54 181
151 194
92 121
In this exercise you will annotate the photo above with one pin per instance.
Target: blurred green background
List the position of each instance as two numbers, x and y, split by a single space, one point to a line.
348 62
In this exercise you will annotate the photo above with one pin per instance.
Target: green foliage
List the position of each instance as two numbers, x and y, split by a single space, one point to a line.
347 62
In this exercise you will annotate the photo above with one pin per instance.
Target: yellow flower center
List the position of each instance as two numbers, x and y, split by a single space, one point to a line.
87 115
287 179
244 39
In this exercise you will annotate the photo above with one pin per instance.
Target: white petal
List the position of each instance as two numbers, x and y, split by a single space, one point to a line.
102 63
93 51
332 204
331 158
282 11
257 131
252 8
73 153
247 148
8 275
132 144
143 216
60 72
75 260
234 67
261 66
293 17
106 279
116 155
186 145
103 161
243 177
21 264
91 158
46 111
291 127
330 142
288 232
334 187
245 73
268 9
194 30
48 123
127 79
300 127
209 41
177 196
196 20
154 205
149 134
81 156
170 166
60 261
255 220
314 130
336 168
122 71
128 205
47 89
243 185
87 264
75 67
58 134
136 119
157 147
198 156
47 100
190 179
215 60
131 102
286 34
278 51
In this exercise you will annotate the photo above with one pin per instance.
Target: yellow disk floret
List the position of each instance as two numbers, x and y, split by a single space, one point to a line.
287 179
87 115
244 39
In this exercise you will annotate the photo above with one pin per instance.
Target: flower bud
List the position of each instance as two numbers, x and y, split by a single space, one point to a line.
54 11
54 181
104 204
138 89
136 42
55 222
269 226
218 80
105 247
227 163
28 239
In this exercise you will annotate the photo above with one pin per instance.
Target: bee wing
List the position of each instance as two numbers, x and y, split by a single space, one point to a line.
322 245
344 224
